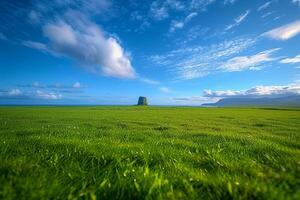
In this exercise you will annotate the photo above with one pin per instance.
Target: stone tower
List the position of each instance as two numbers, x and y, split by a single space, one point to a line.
142 101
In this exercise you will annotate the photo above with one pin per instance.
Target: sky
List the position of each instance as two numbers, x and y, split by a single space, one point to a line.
110 52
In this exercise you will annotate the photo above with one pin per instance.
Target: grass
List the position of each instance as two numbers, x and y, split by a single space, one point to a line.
149 153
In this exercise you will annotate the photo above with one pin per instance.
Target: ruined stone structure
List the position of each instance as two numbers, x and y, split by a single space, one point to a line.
142 101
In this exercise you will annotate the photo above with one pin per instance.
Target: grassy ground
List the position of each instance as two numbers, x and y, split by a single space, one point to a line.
149 153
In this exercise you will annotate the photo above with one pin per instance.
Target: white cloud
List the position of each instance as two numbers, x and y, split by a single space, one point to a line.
193 33
91 7
198 61
276 18
286 90
165 89
297 2
175 4
224 93
192 100
18 94
160 9
291 60
264 6
85 42
242 17
180 24
50 95
77 85
60 33
15 92
284 32
36 45
267 14
238 20
254 62
149 81
200 4
229 1
137 16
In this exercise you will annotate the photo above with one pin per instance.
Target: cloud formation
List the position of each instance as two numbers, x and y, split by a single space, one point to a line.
149 81
91 7
253 62
238 20
192 100
180 24
12 94
77 85
264 6
297 2
48 96
291 60
229 1
36 45
15 92
165 89
18 94
284 32
160 9
198 61
83 41
258 91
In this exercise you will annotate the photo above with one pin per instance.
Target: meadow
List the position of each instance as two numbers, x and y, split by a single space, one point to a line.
131 152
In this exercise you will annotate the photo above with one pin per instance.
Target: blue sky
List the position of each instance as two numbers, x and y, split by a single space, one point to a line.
174 52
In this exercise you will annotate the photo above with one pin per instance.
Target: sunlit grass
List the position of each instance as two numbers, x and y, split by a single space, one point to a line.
149 153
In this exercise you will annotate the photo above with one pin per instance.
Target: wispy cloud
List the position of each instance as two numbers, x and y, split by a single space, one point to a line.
297 2
180 24
264 6
84 41
291 60
18 94
59 87
238 20
200 4
49 96
284 32
229 1
156 83
149 81
267 14
36 45
77 85
192 100
193 33
160 9
90 7
15 92
165 89
258 91
253 62
197 61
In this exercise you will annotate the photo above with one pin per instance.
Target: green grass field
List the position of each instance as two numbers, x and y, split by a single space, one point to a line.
149 153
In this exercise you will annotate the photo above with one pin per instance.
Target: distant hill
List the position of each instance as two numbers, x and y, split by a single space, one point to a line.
258 101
